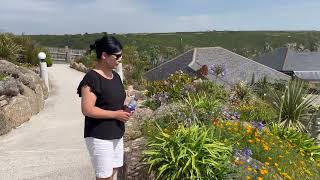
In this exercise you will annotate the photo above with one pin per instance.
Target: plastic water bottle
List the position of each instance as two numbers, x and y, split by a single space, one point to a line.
132 104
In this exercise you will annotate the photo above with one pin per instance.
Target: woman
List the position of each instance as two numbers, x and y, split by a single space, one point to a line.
102 103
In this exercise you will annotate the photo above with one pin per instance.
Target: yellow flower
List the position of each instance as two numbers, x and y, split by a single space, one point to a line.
260 178
270 158
248 178
249 168
266 163
250 141
276 164
266 147
280 156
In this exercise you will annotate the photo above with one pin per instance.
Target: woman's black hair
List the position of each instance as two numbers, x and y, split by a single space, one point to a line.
108 44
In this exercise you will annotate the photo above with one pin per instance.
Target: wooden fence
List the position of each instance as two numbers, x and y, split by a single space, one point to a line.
65 54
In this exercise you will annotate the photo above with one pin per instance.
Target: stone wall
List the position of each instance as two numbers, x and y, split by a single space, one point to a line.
79 66
22 94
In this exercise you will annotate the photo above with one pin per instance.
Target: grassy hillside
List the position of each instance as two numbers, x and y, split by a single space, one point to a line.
242 42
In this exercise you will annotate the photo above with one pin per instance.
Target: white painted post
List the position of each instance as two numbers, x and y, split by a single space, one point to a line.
43 69
119 71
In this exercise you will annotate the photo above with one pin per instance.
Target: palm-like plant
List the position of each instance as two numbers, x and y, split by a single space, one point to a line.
293 105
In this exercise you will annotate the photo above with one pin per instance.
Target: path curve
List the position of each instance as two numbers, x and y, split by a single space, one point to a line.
51 144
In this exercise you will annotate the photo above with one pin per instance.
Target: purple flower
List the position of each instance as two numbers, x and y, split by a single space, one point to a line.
217 69
246 152
259 125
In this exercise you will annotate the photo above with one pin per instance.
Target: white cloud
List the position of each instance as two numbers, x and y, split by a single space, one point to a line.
123 16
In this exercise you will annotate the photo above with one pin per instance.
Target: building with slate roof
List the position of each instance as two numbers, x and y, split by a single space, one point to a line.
237 67
304 65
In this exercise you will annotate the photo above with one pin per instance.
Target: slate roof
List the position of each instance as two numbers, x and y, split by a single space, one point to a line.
283 59
238 68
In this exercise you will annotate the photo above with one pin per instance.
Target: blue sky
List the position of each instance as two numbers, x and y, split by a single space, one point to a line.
131 16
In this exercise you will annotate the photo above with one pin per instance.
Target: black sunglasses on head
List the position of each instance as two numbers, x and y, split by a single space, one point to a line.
117 56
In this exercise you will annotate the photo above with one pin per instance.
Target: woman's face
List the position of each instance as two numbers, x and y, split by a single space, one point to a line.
113 59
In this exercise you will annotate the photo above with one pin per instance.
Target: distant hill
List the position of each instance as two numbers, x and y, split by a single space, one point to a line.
246 43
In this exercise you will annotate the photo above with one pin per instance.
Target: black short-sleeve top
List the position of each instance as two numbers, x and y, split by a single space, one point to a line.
110 96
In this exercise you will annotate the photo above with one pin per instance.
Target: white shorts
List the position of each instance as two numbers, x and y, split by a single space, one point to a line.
105 155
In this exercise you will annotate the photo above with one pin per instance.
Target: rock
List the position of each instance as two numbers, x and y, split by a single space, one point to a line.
18 110
134 125
9 87
3 103
5 124
36 101
134 168
130 91
2 97
79 67
27 77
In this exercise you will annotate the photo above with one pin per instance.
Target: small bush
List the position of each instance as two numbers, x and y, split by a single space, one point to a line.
188 153
173 86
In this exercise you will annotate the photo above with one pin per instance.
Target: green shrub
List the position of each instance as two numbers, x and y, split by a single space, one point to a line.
256 110
188 153
8 48
212 89
173 86
201 107
89 59
152 104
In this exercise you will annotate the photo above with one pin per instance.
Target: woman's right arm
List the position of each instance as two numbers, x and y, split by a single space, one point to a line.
89 109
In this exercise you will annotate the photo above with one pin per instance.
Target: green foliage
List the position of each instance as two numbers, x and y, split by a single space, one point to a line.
3 76
214 90
152 104
8 48
173 85
293 105
262 87
201 108
256 110
187 153
21 49
241 92
89 59
304 142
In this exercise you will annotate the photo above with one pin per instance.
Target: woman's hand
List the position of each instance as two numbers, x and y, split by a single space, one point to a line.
122 115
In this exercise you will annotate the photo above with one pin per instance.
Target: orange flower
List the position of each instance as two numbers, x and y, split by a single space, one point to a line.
260 178
215 122
263 171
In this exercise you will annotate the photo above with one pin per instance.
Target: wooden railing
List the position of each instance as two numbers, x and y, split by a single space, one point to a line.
65 54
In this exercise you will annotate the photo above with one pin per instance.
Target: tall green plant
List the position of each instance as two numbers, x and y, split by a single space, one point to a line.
293 105
8 48
188 153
